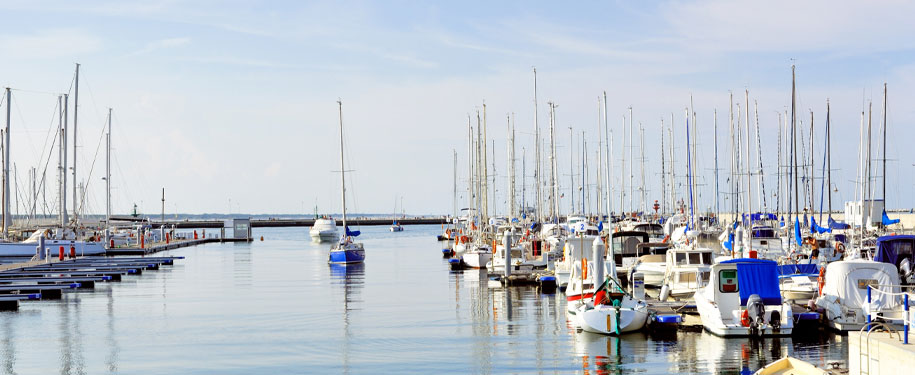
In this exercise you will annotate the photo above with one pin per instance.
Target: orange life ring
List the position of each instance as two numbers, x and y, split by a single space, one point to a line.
840 247
821 280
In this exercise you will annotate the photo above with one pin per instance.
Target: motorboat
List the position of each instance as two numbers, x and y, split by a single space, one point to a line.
790 366
848 302
652 265
685 267
741 298
324 229
476 256
625 246
798 282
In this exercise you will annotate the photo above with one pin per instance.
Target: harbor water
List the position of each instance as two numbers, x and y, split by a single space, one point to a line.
277 307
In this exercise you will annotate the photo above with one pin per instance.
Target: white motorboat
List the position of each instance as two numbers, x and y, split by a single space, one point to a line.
685 267
652 267
798 282
477 257
845 294
324 229
742 299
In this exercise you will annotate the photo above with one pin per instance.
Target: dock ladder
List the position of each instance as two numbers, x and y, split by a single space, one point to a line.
865 351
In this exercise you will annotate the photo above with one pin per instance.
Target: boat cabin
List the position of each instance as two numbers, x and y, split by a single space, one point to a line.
898 251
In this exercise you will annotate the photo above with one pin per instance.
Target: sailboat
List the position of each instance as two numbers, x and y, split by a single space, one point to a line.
346 251
395 226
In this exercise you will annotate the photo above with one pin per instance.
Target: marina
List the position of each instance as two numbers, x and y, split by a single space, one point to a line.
698 187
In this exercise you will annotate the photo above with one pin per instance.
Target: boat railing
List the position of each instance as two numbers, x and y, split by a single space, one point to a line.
908 317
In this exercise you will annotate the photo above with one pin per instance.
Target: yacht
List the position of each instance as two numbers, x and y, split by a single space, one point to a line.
347 251
324 229
741 298
845 294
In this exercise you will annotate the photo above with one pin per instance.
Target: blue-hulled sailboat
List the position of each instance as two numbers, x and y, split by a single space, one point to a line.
347 251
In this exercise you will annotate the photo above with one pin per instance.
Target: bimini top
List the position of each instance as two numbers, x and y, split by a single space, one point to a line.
798 269
893 249
757 276
848 280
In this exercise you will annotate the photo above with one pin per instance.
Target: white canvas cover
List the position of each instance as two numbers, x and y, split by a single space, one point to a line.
842 280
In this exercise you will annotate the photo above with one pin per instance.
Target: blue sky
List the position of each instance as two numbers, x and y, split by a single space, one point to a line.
236 100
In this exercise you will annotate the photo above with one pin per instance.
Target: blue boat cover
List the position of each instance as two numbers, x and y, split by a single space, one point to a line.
887 221
818 229
889 248
837 225
762 216
757 276
352 233
797 232
798 269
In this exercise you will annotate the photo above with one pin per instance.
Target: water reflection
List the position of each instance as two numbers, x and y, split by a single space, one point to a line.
114 350
71 346
9 348
352 279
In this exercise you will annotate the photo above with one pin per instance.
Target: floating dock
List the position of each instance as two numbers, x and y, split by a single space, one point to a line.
50 279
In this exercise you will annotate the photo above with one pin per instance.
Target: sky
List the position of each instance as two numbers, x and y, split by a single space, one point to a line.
231 106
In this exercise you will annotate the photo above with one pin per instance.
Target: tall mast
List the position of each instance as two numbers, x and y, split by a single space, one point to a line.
608 147
631 158
511 167
778 169
689 171
485 177
537 153
623 206
554 182
673 176
828 159
794 145
664 171
717 198
600 161
470 191
747 144
75 111
642 202
342 167
6 165
571 171
884 145
63 170
760 178
812 170
108 172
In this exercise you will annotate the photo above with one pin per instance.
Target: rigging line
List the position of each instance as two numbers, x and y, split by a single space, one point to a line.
127 146
91 94
26 125
52 132
36 92
91 169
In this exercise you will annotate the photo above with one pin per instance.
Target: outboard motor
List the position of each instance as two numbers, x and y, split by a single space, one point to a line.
757 314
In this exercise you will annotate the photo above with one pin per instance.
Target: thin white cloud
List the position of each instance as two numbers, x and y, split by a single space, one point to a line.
162 44
52 43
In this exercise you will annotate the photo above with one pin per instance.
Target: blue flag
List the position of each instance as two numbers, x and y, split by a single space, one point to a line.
797 231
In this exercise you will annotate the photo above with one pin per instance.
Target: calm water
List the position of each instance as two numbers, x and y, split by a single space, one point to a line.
277 307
